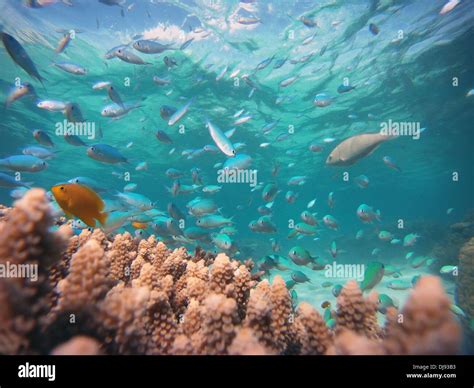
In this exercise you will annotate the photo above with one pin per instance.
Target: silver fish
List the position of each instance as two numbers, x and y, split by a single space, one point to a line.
150 46
129 57
354 148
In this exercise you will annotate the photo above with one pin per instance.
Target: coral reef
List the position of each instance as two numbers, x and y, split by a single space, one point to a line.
448 245
465 280
464 289
98 294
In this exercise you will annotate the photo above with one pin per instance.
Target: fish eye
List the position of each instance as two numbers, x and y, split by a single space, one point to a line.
329 157
61 188
92 149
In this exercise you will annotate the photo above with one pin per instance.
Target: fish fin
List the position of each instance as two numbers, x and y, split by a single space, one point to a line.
102 218
89 221
68 215
378 215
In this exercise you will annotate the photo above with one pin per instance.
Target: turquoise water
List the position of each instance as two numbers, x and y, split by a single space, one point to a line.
418 68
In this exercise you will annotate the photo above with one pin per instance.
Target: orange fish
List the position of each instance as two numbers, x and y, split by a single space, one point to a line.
139 225
81 202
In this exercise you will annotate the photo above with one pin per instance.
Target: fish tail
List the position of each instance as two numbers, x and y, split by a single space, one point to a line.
41 79
102 218
378 215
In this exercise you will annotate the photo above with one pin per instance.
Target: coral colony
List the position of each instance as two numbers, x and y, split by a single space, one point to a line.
96 294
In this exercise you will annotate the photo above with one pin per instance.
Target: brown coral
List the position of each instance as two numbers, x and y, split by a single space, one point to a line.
312 331
426 324
167 302
121 255
465 280
219 317
78 346
356 314
88 280
26 241
246 343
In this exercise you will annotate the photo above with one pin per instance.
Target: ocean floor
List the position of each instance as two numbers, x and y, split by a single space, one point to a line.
315 293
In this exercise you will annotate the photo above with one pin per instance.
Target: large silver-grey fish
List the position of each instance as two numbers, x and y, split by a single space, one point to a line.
44 3
221 140
112 53
178 115
129 57
20 56
150 47
71 68
354 148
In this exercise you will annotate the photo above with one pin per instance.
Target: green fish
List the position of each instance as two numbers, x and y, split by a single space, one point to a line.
457 310
336 290
290 284
372 276
331 323
300 256
294 298
418 261
306 229
391 270
415 279
300 277
327 314
386 301
451 269
399 284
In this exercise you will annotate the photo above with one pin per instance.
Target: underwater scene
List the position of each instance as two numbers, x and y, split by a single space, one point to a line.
218 177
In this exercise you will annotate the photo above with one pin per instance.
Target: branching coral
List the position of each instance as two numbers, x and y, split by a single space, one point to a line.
424 326
26 242
465 281
355 313
134 296
464 289
312 331
88 280
78 346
